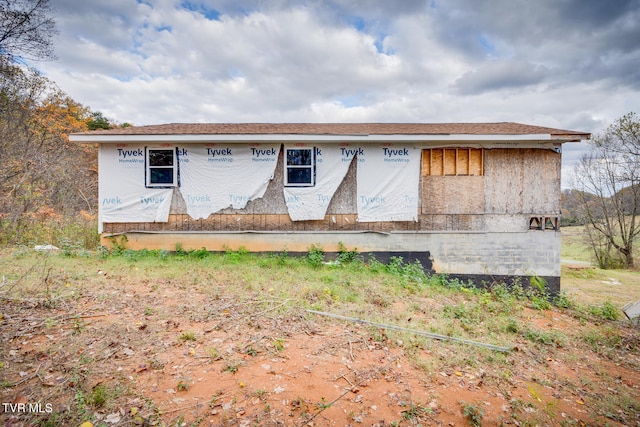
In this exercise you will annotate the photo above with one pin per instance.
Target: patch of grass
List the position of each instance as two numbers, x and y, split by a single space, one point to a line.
602 338
563 300
415 412
605 311
184 384
100 396
574 247
231 367
213 353
236 257
278 344
473 412
555 338
250 351
188 336
261 394
201 253
594 286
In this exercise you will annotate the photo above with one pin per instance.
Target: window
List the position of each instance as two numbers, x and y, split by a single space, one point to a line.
299 168
161 167
452 162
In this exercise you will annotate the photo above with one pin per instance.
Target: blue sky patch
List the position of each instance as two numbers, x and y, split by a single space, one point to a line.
486 44
209 13
357 22
350 101
379 44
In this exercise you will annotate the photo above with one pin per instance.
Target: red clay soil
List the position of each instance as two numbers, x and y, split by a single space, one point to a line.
175 356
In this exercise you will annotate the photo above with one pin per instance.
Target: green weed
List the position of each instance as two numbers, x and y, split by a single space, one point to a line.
188 336
602 338
473 412
346 256
213 353
100 396
605 311
231 367
315 256
323 404
554 338
184 384
415 411
278 344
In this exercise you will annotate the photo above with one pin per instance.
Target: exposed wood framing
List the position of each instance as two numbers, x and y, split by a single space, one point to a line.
453 162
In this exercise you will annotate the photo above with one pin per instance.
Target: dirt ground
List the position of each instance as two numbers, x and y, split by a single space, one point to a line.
141 353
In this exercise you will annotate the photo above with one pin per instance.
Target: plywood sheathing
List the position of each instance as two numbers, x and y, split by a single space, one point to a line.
344 199
522 181
461 195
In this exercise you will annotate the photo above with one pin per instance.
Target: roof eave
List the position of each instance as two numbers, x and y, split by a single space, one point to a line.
248 138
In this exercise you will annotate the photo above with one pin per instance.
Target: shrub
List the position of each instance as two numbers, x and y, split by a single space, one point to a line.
346 256
315 257
606 311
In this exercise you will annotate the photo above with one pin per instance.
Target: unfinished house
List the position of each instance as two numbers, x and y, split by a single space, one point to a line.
475 201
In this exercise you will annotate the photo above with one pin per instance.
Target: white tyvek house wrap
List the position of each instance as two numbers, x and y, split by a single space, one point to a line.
311 203
121 191
388 180
217 176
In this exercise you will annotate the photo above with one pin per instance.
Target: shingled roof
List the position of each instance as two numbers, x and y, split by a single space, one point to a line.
503 128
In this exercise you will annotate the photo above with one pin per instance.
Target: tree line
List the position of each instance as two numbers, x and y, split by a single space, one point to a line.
44 179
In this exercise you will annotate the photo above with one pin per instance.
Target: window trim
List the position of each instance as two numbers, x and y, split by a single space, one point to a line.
148 167
312 167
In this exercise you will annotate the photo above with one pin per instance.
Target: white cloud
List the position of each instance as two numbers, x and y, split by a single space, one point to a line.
562 64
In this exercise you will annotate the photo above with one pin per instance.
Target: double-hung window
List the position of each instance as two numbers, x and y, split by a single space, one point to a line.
161 167
299 170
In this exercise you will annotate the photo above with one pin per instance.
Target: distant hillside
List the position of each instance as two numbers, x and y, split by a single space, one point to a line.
571 203
571 206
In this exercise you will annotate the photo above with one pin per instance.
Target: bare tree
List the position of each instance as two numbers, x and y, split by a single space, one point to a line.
608 178
26 30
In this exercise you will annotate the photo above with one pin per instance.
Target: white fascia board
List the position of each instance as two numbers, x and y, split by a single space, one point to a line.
241 138
551 145
244 138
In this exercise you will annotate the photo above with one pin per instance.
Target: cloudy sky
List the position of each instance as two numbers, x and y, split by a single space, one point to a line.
571 64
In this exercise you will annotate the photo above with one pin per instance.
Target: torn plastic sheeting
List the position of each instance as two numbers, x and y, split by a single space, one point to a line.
311 203
414 331
217 176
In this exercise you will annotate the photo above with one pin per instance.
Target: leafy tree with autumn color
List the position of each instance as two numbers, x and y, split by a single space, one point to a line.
47 184
43 177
